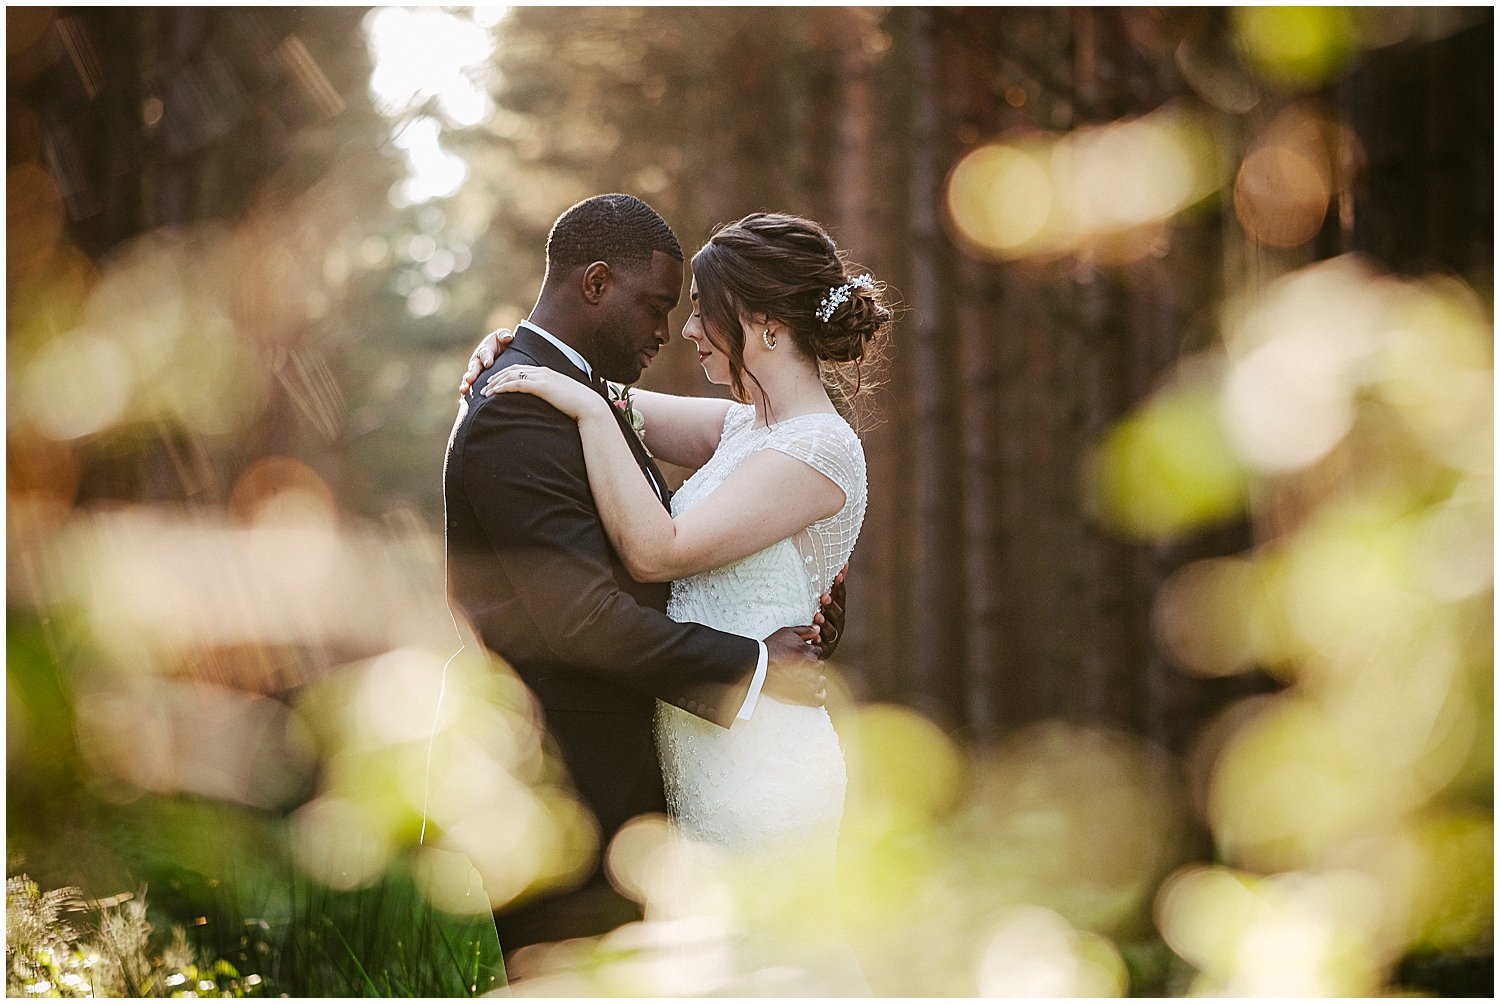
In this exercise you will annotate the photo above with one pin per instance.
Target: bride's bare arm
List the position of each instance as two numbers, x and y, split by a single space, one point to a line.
680 430
770 497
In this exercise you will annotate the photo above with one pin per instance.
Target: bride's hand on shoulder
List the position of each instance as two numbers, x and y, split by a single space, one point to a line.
576 400
484 355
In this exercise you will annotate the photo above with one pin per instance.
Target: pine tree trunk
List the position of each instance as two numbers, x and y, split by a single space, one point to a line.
936 589
984 547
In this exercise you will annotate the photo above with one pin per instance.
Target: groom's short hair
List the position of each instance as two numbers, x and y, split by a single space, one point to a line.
618 229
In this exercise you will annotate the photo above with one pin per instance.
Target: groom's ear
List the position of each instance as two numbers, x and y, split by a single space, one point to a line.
596 282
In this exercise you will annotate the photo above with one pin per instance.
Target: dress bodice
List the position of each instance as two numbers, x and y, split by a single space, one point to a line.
779 585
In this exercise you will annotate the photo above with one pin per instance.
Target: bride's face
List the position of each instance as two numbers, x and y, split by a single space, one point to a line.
715 364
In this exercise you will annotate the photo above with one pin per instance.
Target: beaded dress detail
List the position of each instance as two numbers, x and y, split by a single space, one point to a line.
780 775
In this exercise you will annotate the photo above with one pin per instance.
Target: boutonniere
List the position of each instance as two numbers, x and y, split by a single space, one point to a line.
619 396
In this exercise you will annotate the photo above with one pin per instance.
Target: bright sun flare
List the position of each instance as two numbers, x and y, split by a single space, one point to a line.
439 59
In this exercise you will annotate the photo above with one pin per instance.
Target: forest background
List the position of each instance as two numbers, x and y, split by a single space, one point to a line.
1172 612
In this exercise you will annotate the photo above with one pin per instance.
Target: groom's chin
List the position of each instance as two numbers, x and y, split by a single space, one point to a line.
628 373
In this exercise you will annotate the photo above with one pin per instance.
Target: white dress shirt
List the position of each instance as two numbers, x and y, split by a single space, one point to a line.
758 681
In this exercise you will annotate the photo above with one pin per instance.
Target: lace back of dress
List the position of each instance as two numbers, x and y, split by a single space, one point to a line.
830 447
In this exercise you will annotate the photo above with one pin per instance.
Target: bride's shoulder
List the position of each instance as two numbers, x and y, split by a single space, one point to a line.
737 420
821 425
825 441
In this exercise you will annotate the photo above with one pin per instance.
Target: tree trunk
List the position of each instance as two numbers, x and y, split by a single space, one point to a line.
936 586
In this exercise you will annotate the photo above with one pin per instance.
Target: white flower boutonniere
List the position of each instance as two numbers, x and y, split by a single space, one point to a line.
619 396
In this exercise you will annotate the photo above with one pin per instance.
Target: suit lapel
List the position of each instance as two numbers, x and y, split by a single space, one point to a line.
647 464
544 353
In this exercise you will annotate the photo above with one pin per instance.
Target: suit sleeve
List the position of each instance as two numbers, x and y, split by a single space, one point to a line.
525 475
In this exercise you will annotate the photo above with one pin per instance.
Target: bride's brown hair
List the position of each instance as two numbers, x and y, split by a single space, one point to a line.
782 267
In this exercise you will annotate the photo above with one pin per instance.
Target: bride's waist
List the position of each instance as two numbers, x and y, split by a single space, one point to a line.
753 621
769 715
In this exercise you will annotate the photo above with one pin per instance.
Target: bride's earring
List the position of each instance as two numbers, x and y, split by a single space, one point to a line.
766 337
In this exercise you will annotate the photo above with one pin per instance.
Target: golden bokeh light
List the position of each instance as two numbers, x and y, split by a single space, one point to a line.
1295 934
1169 466
46 297
999 197
1298 355
281 490
903 757
1299 161
445 753
1289 402
1363 404
450 882
160 585
1084 808
1347 589
1296 47
1455 547
1289 789
395 700
1033 952
34 213
639 858
1091 190
51 397
340 843
1436 368
1207 614
183 737
1281 197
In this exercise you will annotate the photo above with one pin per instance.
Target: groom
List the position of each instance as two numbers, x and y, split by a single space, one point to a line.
530 566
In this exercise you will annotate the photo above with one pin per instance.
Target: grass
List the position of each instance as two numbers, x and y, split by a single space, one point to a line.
221 872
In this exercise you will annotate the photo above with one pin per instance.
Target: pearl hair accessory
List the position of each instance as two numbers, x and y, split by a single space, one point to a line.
838 294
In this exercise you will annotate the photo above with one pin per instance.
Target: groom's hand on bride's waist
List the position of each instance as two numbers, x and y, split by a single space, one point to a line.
794 673
830 616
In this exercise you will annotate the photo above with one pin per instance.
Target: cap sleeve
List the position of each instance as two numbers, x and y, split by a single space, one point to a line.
829 447
737 419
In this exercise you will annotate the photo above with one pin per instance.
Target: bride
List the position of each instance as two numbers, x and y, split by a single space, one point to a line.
758 534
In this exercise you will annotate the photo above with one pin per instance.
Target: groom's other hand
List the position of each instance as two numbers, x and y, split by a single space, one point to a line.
794 675
831 617
484 355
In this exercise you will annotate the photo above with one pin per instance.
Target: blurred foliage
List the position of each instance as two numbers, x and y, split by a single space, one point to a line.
46 957
1353 812
247 249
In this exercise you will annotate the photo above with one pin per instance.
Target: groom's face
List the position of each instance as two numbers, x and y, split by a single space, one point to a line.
634 323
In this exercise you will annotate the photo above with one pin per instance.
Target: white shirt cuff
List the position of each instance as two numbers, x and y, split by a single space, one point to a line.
759 680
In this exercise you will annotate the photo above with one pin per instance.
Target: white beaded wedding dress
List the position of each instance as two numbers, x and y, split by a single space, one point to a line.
770 789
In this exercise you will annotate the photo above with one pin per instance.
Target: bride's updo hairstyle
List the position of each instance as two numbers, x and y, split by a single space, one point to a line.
788 269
